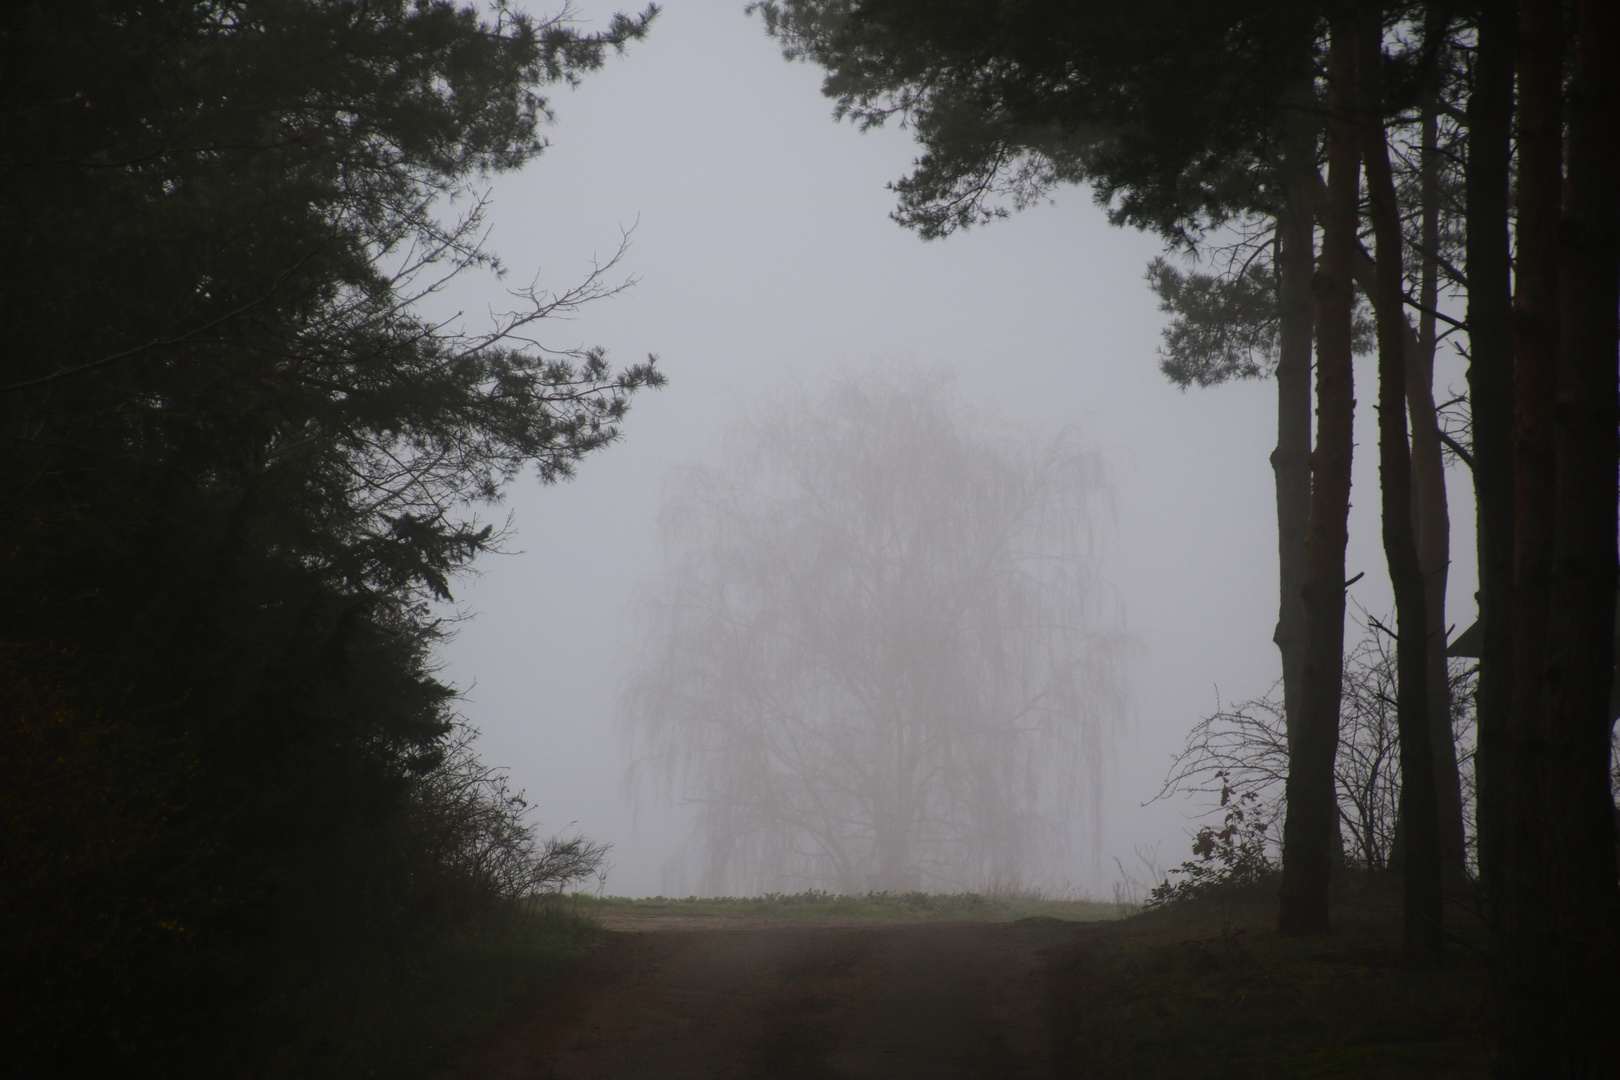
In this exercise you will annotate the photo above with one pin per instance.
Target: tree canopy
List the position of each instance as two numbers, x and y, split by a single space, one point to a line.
240 464
1163 109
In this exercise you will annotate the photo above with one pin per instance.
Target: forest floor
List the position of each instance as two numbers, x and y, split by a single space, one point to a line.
789 992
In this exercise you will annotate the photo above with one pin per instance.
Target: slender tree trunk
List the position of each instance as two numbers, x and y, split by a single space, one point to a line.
1308 828
1431 514
1563 905
1296 309
1421 869
1291 460
1490 392
1526 949
1433 524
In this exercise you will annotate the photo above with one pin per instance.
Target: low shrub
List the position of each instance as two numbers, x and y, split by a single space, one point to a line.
1233 856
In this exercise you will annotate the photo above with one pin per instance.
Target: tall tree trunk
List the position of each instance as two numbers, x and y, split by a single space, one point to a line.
1291 460
1564 905
1431 514
1433 524
1490 394
1526 953
1421 868
1308 828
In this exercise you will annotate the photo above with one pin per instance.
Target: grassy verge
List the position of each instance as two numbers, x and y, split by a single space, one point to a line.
1207 988
410 1011
878 905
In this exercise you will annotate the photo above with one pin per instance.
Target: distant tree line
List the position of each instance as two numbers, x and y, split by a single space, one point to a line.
1452 166
240 468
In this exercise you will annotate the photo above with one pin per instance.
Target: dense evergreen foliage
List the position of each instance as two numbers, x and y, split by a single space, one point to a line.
239 467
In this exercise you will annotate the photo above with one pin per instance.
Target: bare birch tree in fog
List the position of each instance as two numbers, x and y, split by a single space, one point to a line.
880 654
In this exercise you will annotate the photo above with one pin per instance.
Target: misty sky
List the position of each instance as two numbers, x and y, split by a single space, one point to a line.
765 256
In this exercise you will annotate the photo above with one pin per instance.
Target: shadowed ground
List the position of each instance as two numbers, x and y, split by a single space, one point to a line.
1200 989
798 999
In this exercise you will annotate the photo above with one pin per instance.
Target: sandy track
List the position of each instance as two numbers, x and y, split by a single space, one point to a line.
786 999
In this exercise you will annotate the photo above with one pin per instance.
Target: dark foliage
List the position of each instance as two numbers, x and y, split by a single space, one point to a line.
1233 856
238 465
1225 326
1164 108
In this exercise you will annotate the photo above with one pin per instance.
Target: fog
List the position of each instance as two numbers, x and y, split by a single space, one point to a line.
880 653
764 259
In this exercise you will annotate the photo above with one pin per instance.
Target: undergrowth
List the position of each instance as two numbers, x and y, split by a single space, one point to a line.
1205 987
1233 856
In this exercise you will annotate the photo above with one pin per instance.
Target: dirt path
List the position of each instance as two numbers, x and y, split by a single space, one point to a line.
793 999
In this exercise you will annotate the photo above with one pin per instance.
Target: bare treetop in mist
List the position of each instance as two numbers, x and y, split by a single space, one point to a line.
880 654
